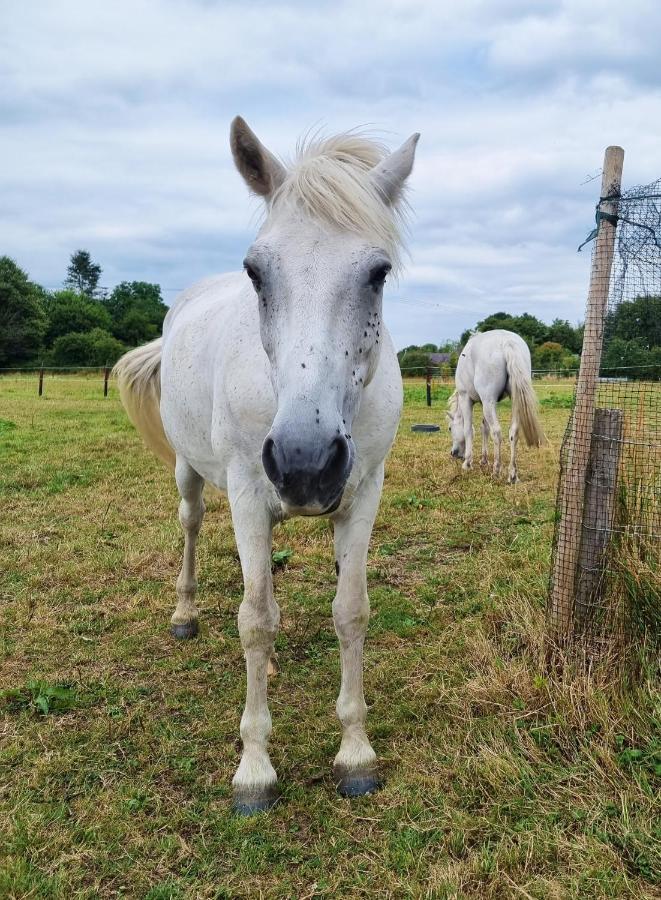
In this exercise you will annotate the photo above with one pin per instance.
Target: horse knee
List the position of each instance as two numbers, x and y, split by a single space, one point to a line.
351 626
191 513
258 619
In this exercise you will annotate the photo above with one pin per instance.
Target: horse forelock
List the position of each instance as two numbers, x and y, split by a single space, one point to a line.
329 178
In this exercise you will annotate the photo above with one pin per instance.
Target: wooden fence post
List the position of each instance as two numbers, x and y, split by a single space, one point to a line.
428 388
41 381
598 509
572 488
106 373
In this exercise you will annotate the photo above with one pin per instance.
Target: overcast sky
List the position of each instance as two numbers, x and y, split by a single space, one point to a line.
114 122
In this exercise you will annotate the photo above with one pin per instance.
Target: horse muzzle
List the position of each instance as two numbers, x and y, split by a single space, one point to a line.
309 477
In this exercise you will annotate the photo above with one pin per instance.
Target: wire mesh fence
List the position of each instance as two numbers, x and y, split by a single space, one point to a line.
605 590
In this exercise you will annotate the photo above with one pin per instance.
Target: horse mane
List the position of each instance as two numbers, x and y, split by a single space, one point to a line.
453 405
328 178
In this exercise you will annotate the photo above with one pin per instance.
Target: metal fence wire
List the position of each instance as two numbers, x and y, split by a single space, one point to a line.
605 587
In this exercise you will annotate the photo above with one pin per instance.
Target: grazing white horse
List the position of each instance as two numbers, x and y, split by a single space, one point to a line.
493 365
280 386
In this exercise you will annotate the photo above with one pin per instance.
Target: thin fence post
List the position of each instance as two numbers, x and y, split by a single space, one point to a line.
428 388
41 381
572 487
598 510
106 373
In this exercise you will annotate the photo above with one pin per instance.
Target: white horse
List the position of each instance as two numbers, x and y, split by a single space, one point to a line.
493 365
280 386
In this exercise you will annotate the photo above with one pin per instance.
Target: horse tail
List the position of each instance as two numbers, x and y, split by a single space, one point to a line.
524 400
138 375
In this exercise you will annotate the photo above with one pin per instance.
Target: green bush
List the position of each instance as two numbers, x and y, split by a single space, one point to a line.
93 348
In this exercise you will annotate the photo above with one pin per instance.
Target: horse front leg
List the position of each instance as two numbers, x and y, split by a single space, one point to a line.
466 406
355 764
255 782
184 622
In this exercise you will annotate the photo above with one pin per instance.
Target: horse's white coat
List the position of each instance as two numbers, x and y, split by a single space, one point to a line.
492 365
308 356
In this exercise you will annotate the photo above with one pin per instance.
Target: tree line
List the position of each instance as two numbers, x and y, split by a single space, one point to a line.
79 325
82 325
632 342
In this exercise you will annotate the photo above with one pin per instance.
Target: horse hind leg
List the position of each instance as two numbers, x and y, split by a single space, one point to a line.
191 512
484 461
496 434
514 437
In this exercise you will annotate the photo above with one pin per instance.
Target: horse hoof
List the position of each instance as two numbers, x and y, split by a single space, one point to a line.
357 783
185 630
250 802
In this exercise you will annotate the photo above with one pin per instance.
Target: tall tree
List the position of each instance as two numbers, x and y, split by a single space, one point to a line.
137 311
83 275
22 317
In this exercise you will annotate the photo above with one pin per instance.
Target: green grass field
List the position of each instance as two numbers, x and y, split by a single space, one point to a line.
117 746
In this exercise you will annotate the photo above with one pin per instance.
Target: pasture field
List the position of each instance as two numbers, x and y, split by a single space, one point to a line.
117 746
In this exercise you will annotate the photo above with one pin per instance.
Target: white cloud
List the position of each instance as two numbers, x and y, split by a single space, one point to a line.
114 134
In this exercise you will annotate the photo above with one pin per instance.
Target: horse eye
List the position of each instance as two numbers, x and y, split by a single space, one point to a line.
253 275
378 275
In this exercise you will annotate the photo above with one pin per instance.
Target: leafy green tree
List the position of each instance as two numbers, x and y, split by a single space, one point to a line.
92 348
22 316
531 329
631 358
82 274
636 320
414 362
553 356
137 311
561 332
69 312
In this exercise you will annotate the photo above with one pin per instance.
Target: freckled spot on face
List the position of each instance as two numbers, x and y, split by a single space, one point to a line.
302 365
298 449
360 349
365 334
317 421
346 352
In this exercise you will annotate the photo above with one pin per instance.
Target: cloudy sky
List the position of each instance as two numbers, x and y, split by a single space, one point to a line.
114 125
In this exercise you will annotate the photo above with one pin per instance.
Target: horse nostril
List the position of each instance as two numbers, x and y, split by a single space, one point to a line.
269 460
336 464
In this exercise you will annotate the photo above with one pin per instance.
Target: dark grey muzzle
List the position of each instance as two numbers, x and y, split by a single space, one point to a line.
308 476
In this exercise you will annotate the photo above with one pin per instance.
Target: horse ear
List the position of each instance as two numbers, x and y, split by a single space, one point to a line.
391 173
260 169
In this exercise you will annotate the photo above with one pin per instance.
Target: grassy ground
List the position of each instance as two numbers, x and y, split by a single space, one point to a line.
117 746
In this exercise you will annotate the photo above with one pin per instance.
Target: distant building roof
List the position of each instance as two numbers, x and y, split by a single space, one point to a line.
439 359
